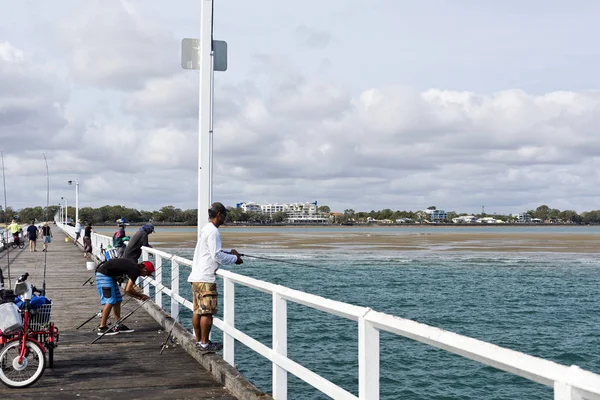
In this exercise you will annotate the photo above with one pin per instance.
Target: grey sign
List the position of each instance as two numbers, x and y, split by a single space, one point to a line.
190 54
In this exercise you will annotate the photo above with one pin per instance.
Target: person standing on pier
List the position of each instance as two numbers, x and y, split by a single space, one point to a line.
107 274
78 228
32 234
208 255
47 235
87 240
118 239
133 251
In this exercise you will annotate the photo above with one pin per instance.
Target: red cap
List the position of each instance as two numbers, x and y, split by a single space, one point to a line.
149 267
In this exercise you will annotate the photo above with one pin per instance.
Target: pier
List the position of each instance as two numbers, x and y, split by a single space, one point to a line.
123 366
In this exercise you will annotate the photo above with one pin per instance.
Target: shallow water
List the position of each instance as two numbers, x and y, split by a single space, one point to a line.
543 304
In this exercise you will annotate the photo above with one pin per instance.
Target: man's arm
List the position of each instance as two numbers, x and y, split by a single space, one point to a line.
132 291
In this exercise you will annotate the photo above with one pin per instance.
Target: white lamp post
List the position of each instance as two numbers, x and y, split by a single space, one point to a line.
76 199
66 215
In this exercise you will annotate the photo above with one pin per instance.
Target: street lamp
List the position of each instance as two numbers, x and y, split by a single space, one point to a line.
66 209
59 212
76 199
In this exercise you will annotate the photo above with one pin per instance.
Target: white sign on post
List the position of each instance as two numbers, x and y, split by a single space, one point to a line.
190 54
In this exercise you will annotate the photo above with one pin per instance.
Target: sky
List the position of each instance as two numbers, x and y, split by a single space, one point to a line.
356 104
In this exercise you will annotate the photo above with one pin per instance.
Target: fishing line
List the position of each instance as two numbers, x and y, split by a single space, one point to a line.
285 262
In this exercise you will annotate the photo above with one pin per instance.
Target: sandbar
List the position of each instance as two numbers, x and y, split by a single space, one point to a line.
415 241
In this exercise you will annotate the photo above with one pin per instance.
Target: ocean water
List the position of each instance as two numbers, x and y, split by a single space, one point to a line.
542 304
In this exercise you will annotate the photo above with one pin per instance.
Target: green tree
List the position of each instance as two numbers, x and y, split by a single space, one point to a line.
324 209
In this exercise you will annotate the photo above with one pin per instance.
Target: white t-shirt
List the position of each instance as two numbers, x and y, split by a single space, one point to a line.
208 255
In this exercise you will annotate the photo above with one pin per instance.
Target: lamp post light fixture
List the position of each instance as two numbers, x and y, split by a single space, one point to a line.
76 199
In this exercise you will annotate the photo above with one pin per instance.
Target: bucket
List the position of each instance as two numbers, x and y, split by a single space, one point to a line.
90 265
10 319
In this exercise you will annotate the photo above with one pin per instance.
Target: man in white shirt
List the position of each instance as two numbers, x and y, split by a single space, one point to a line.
77 232
208 255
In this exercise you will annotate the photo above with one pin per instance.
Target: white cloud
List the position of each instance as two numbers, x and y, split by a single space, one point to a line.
110 46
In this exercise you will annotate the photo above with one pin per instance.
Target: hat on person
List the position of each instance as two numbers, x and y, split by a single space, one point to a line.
218 208
149 267
148 228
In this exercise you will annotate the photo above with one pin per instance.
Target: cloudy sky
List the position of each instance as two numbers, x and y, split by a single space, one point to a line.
353 103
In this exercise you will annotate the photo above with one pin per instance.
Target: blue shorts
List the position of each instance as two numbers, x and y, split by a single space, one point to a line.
47 239
108 289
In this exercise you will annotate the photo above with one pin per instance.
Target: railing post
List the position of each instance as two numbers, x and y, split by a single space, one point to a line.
228 319
368 360
279 345
145 258
563 390
174 288
158 278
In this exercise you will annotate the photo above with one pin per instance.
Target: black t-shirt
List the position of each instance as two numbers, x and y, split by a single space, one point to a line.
45 231
88 231
32 231
116 267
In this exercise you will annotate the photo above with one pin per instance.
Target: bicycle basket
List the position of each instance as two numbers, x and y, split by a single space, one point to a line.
39 317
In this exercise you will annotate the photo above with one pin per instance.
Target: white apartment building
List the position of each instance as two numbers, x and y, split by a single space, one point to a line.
522 217
249 207
271 209
294 210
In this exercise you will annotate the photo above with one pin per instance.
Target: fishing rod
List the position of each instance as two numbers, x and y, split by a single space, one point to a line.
5 222
46 220
169 335
282 261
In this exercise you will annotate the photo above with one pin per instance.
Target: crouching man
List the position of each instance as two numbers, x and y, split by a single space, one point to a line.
110 296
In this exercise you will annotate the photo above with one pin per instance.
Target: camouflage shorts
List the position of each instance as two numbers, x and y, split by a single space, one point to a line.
205 298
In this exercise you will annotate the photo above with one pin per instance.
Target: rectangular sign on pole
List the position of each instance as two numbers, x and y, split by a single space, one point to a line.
190 54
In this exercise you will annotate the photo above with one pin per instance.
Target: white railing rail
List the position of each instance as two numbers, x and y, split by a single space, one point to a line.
569 383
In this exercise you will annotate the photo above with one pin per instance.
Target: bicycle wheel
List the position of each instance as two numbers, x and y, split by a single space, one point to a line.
22 244
20 375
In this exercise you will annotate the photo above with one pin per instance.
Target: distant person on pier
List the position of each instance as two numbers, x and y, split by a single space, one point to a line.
107 274
78 228
119 239
32 234
208 255
87 240
47 235
133 251
15 229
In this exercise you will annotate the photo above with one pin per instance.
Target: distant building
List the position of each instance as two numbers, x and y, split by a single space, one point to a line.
436 215
522 218
271 209
464 219
249 207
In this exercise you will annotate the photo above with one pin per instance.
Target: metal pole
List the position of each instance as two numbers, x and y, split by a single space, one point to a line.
204 113
7 237
47 189
66 210
76 201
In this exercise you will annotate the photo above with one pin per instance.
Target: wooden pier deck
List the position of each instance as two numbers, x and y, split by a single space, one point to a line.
123 366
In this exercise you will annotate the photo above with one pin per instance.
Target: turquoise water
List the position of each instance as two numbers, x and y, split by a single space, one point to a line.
542 304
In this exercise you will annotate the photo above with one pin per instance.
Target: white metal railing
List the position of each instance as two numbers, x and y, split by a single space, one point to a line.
569 383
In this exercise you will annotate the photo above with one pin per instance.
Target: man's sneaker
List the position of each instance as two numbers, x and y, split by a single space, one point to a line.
210 347
105 330
123 329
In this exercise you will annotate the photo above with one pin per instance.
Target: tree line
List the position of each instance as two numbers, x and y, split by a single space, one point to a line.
172 215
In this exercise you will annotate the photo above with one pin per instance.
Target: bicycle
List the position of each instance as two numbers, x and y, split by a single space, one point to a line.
17 242
22 357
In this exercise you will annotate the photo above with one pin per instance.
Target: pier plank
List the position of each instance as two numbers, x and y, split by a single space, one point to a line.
124 366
